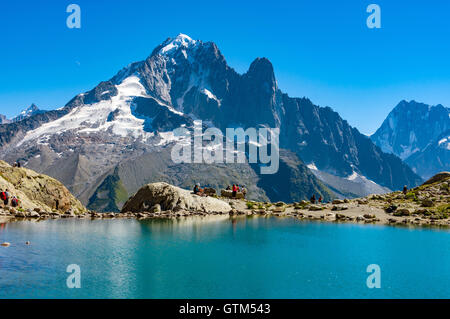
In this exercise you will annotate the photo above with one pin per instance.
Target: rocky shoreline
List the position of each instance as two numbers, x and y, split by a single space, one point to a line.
425 205
341 211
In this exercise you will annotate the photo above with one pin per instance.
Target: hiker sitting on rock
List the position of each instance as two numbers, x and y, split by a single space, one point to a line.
15 202
198 191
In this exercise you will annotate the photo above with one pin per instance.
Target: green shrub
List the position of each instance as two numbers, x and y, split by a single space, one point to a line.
411 196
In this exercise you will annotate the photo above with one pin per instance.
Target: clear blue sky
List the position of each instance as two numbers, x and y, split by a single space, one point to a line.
320 49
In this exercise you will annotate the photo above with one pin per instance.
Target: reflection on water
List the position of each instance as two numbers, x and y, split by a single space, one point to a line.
220 257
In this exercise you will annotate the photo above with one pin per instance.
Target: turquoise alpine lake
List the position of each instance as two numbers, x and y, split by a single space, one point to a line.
221 257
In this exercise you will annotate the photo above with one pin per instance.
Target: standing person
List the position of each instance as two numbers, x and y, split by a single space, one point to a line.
6 200
233 194
320 199
2 195
244 190
405 190
313 199
18 164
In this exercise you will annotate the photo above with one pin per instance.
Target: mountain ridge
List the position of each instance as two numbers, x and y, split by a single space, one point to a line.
413 128
132 114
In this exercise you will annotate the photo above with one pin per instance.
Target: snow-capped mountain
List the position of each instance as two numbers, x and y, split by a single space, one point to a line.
434 158
105 143
4 119
410 129
28 112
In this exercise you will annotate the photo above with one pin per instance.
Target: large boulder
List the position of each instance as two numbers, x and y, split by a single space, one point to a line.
229 194
37 191
172 198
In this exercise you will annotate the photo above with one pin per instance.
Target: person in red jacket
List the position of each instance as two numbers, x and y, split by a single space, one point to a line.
234 191
15 202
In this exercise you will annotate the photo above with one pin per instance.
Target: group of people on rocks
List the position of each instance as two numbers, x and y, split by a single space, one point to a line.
9 199
235 189
17 164
198 190
313 199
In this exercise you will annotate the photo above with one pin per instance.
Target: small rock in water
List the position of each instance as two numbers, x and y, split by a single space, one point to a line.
27 243
5 244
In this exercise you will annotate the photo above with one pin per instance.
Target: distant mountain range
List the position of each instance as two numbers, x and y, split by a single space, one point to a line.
28 112
106 143
419 134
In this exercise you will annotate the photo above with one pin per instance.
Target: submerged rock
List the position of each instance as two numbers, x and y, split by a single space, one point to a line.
174 199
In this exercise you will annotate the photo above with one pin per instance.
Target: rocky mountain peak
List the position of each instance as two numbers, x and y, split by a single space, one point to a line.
4 119
173 46
181 41
26 113
413 131
261 71
410 127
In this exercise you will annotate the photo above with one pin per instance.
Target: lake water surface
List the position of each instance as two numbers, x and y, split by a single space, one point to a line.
218 257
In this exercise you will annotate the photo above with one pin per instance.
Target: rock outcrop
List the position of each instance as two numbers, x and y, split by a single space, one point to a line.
229 194
37 191
431 200
166 197
438 178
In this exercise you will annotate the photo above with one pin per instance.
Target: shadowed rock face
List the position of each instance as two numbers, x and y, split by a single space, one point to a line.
172 198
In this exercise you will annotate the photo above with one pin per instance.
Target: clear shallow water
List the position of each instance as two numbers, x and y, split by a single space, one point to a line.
215 258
